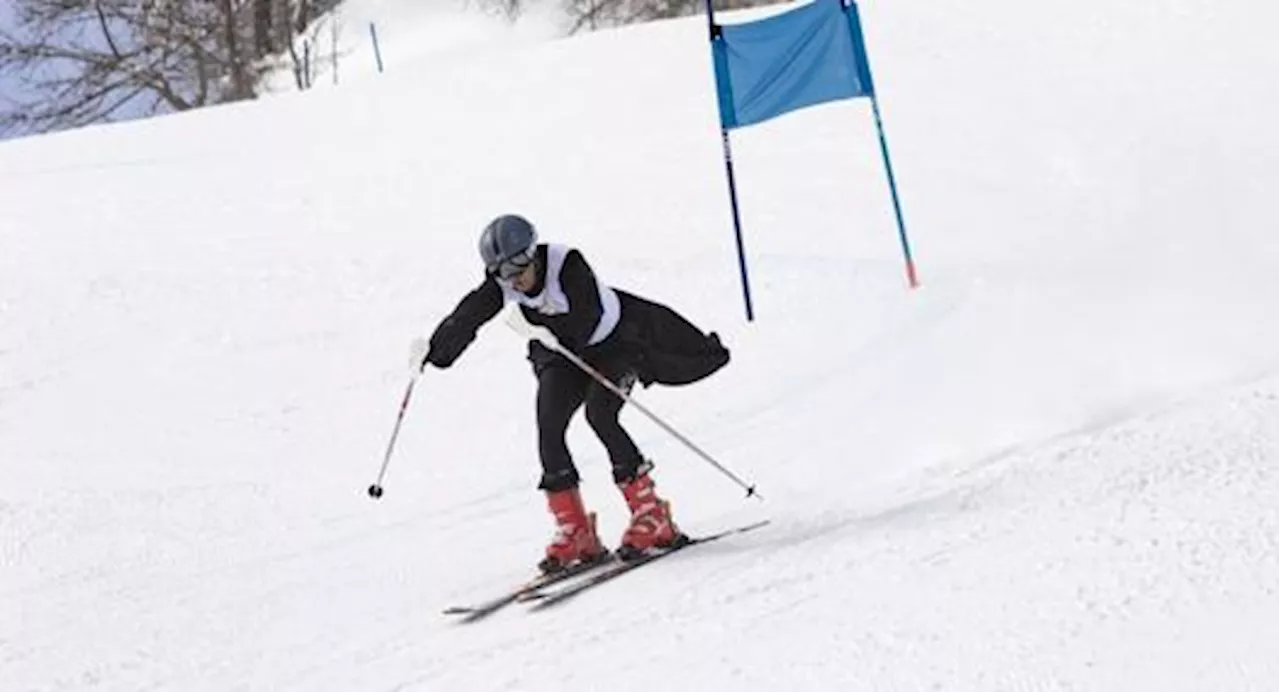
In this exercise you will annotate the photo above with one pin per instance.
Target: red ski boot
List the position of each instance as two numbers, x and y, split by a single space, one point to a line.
575 539
651 523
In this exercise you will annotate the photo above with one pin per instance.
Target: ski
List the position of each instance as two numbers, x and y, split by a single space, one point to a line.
542 598
471 613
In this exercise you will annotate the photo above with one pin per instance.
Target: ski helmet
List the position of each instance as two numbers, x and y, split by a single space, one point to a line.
507 245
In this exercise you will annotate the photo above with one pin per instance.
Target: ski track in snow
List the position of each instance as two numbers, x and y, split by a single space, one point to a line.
1015 524
1001 574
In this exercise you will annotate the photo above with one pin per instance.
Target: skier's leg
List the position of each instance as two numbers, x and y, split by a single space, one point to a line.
651 523
560 392
603 407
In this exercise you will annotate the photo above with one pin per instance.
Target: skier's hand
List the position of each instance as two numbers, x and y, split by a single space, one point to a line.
521 326
418 350
545 336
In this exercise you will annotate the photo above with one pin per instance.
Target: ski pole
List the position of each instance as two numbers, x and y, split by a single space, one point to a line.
375 490
516 321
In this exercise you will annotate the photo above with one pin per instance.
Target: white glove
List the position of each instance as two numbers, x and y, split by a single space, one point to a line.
516 320
418 349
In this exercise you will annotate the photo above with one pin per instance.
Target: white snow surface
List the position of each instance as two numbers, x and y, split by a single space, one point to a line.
1051 467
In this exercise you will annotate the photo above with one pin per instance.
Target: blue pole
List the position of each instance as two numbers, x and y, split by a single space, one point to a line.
893 192
728 169
377 52
860 52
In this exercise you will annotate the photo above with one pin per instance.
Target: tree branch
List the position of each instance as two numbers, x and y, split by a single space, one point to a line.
106 32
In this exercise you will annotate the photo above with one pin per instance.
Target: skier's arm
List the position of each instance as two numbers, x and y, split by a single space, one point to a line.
458 330
579 284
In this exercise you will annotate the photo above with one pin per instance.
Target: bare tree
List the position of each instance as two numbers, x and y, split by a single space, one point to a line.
305 29
510 9
313 59
263 21
85 61
596 14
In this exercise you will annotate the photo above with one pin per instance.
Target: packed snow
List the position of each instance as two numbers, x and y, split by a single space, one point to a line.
1051 467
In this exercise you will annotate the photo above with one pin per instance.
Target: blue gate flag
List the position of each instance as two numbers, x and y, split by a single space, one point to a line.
809 55
806 56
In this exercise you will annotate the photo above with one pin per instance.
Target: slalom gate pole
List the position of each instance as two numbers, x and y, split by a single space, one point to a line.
721 70
377 50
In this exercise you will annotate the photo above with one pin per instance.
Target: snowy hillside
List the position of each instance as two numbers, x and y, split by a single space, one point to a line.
1053 466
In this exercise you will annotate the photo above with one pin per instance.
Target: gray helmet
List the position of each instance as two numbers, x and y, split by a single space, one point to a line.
507 245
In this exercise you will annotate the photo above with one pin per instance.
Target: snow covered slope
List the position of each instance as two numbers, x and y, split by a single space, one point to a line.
1051 467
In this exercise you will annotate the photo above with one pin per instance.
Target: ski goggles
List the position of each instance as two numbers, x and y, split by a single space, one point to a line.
512 266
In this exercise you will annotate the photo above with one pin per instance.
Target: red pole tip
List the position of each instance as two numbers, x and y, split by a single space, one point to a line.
911 275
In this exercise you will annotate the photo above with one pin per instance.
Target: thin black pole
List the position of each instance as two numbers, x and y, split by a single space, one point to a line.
737 224
714 33
377 51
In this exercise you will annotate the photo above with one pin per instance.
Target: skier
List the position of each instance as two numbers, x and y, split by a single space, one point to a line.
622 336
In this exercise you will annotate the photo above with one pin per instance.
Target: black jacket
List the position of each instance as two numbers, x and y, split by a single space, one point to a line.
664 347
658 343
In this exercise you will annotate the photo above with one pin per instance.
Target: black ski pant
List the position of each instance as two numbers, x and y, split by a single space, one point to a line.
562 389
